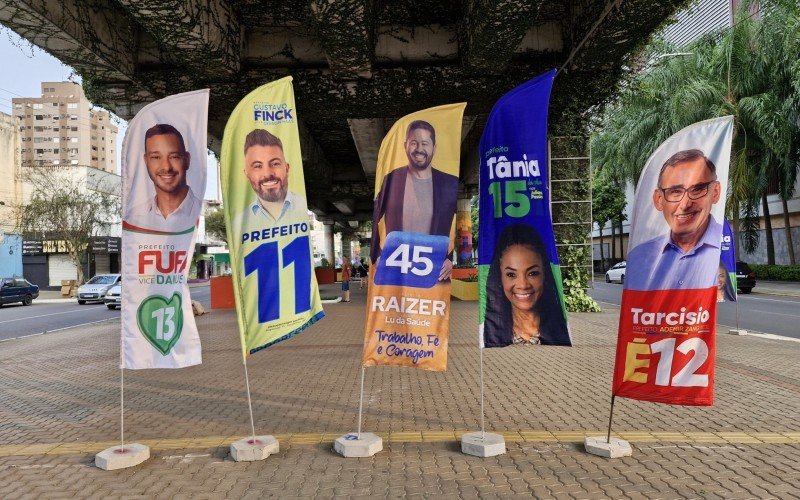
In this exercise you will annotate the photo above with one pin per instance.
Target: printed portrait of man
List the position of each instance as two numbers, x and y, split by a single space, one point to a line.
267 171
417 197
687 257
174 205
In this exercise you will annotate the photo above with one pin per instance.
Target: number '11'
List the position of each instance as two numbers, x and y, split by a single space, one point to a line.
264 260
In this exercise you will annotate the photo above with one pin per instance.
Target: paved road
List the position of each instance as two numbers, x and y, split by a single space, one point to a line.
757 313
17 320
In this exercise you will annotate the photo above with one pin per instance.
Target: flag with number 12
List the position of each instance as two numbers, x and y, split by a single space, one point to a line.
267 220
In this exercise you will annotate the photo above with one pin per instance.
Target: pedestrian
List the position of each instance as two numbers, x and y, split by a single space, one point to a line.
362 273
346 270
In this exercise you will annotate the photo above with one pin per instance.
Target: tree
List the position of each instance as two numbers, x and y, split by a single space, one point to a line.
750 71
608 204
215 224
67 207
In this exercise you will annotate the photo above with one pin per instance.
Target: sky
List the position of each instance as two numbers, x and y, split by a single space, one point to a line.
32 66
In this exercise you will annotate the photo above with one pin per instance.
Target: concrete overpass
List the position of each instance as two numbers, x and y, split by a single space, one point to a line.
357 64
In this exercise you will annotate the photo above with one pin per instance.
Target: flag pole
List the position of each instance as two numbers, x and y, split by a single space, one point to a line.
121 409
249 402
610 416
483 425
361 402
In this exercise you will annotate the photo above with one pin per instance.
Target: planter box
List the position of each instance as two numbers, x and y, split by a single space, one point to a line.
222 293
325 276
460 273
464 290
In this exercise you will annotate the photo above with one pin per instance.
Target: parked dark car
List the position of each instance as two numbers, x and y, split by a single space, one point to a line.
745 277
17 290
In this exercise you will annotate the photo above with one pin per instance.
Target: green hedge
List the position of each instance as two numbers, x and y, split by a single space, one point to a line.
776 273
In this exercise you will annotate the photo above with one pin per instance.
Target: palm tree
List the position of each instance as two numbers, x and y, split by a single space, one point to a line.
749 71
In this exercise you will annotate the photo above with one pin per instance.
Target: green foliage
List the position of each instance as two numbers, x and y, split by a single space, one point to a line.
776 273
473 215
750 71
215 224
325 264
576 277
469 279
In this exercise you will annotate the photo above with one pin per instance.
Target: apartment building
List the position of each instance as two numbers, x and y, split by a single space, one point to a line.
61 128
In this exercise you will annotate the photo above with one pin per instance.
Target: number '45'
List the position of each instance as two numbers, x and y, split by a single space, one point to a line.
264 261
400 258
517 204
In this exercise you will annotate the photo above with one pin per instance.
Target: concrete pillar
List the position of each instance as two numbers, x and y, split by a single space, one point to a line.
347 251
328 234
463 232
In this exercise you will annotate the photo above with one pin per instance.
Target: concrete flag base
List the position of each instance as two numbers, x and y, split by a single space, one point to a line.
253 449
483 444
734 331
617 448
118 457
352 446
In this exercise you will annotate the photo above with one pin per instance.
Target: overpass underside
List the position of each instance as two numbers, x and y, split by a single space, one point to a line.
357 65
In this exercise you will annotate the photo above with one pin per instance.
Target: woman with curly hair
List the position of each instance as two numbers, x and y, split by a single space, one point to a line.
522 304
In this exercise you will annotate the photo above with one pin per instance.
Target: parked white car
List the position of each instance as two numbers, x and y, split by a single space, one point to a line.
616 273
96 288
113 298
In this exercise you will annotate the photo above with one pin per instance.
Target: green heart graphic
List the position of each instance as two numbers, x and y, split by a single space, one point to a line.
161 321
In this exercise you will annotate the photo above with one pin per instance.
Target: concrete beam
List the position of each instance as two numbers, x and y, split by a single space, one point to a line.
203 36
492 31
367 135
346 29
610 34
96 37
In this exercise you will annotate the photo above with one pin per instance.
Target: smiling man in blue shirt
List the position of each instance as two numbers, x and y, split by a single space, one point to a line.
688 256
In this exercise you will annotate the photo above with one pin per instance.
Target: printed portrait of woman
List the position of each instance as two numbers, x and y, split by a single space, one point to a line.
522 305
725 290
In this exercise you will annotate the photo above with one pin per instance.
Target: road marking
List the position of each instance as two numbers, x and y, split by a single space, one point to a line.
40 316
771 300
304 439
59 329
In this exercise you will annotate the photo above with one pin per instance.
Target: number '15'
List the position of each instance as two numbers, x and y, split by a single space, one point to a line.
263 261
517 203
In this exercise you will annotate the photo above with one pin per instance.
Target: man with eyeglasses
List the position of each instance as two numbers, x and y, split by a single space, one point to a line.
688 256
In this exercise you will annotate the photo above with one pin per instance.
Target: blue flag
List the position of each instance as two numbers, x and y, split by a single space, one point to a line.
521 298
726 278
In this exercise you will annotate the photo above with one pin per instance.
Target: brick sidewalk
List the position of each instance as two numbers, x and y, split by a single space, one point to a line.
60 392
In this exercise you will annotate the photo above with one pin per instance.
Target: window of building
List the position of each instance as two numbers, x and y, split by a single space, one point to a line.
56 139
74 129
55 151
39 139
17 105
73 139
37 105
74 162
73 117
72 105
55 162
38 117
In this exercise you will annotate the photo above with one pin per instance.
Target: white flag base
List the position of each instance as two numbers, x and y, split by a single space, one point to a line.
352 446
735 331
118 457
252 450
617 448
483 445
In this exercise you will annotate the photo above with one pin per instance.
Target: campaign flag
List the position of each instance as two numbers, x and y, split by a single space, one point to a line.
163 184
413 225
667 325
267 220
726 279
521 295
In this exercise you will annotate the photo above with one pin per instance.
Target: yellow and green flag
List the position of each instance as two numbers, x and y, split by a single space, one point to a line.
267 220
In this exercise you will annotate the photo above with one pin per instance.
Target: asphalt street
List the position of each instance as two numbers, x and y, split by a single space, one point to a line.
18 321
778 315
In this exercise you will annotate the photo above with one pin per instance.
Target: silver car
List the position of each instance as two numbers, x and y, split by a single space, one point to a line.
113 298
616 273
96 288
